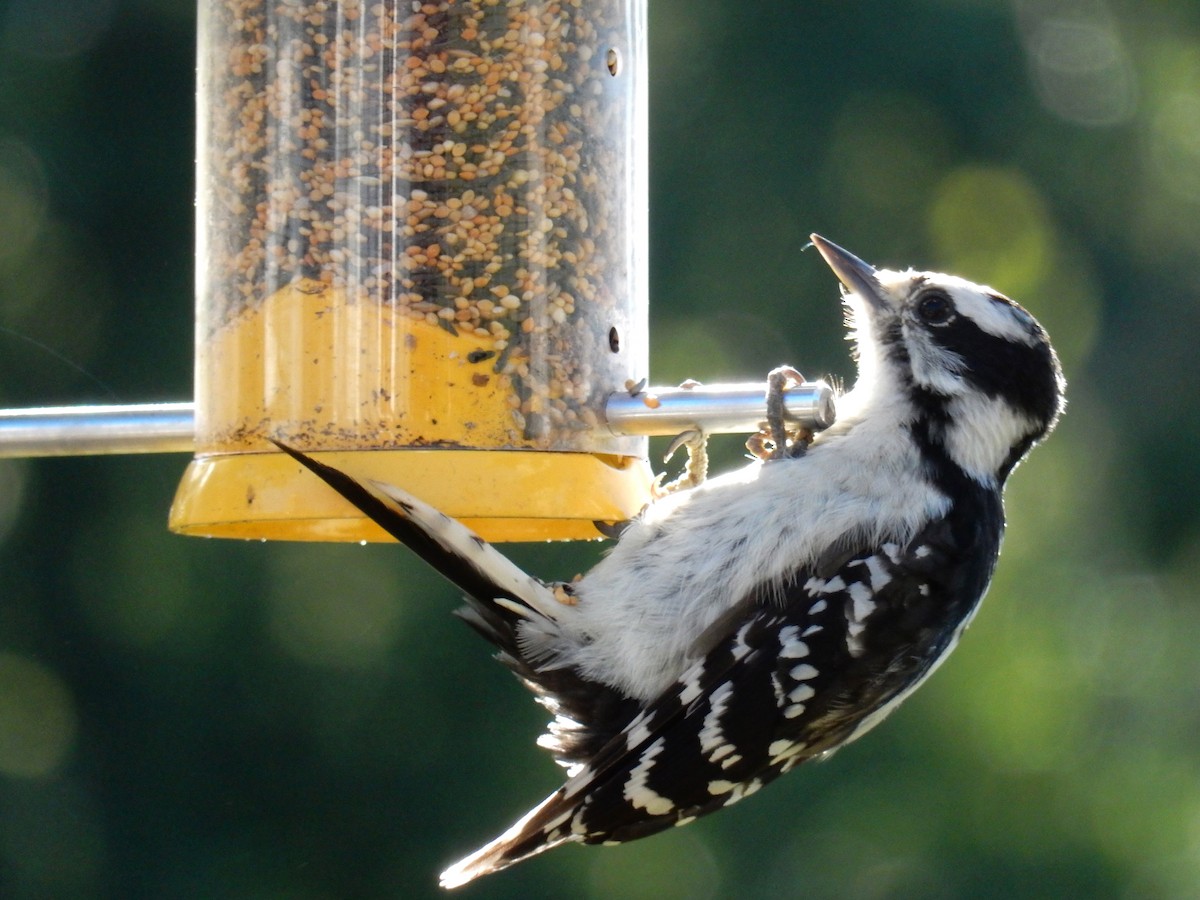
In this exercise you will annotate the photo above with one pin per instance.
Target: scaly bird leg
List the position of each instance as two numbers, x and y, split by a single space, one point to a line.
774 441
696 470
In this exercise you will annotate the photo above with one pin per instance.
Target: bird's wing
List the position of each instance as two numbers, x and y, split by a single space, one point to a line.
787 683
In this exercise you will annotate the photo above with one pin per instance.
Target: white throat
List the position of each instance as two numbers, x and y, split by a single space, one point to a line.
984 432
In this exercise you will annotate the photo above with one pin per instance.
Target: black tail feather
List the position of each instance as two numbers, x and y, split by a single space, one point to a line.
450 565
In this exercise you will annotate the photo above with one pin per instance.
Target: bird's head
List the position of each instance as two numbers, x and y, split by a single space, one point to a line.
971 373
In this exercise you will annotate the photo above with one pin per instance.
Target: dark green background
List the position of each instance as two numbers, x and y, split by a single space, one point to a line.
190 718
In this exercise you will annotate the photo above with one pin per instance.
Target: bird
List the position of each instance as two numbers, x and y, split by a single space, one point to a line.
776 612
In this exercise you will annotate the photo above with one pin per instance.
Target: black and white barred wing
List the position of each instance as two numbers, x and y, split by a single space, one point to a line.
792 680
635 785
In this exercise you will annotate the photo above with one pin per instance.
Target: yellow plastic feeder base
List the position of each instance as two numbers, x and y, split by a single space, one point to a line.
503 495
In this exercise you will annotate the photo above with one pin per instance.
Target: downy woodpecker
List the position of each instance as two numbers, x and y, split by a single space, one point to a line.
775 613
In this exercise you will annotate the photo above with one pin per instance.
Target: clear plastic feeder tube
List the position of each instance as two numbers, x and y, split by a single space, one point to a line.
422 253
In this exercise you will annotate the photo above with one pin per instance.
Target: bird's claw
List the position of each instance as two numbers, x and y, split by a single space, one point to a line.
773 440
564 593
688 438
696 470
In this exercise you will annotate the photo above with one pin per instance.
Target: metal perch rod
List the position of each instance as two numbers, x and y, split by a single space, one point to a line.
170 427
90 430
716 408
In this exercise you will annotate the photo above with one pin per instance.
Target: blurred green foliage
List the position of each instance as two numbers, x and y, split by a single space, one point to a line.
188 718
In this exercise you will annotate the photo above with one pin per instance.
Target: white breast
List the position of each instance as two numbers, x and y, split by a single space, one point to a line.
695 555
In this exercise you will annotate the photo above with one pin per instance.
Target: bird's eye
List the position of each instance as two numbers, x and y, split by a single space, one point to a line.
935 308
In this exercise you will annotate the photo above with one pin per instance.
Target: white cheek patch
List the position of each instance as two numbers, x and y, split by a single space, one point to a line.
983 433
933 366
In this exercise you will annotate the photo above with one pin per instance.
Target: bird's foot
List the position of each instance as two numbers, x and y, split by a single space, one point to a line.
564 593
774 440
696 469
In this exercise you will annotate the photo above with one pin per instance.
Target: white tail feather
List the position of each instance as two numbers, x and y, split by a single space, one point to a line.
456 538
493 856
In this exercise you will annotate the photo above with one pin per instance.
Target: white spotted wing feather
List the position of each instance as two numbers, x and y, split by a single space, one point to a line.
791 682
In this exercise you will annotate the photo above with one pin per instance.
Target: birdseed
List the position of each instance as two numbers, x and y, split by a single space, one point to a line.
463 163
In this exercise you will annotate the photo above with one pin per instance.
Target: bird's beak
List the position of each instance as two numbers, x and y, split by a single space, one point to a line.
858 276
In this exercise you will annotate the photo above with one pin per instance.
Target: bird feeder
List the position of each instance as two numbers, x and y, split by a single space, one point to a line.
421 258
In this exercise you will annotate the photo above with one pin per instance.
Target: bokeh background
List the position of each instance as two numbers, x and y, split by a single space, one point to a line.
190 718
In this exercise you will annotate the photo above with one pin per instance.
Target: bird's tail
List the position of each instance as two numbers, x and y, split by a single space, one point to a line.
543 827
520 616
499 592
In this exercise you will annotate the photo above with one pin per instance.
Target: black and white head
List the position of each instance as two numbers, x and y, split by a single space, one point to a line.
972 374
